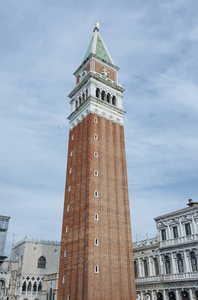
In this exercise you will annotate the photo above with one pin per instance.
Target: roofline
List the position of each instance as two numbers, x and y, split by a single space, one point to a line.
177 211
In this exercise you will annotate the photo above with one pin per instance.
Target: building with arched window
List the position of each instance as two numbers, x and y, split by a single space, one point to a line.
31 271
166 266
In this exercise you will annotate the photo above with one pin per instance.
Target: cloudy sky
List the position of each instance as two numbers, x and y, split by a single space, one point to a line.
155 44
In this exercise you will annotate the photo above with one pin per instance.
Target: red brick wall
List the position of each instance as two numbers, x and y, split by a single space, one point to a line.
113 228
99 67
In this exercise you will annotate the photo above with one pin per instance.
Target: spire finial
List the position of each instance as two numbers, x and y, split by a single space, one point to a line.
97 25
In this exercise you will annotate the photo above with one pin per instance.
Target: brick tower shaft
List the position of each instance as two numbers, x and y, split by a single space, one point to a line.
96 259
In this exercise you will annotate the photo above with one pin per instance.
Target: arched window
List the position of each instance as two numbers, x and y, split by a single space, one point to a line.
180 263
136 269
145 268
41 262
172 296
108 98
103 95
96 269
2 289
159 296
193 260
40 287
34 287
29 287
83 97
86 93
156 266
79 100
24 287
98 93
76 103
167 265
185 295
114 100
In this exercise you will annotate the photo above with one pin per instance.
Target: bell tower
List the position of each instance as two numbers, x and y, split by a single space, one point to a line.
96 259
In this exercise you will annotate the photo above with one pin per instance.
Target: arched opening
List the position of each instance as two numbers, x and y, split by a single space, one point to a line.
180 263
83 97
108 98
103 95
2 289
167 265
196 294
185 295
29 288
34 287
145 268
76 103
96 269
159 296
172 296
136 269
40 287
156 266
41 262
86 93
24 286
193 260
113 100
79 100
98 93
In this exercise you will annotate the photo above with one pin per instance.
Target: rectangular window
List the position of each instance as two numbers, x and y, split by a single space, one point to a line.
175 232
63 279
68 297
96 154
188 229
163 233
96 194
96 173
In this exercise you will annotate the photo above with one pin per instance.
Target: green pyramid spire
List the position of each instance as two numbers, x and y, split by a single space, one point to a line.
97 47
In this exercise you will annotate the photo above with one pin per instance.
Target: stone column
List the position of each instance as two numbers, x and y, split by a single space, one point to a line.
191 294
177 295
150 271
186 263
152 295
139 268
164 295
161 266
173 263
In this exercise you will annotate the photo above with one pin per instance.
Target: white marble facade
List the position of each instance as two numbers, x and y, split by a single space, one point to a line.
166 266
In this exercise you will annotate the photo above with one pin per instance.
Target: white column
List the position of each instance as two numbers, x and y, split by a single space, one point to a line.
177 295
191 294
152 295
181 229
169 237
186 263
150 271
141 295
139 268
173 264
161 266
164 295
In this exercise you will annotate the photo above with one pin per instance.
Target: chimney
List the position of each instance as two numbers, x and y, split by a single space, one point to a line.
191 203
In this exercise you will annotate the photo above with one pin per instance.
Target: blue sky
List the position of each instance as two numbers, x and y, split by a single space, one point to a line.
42 43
